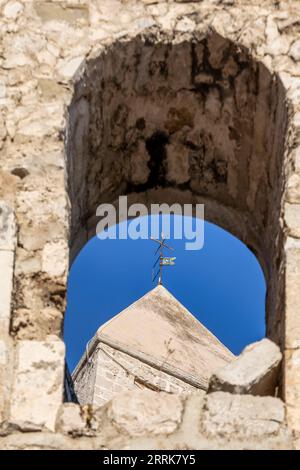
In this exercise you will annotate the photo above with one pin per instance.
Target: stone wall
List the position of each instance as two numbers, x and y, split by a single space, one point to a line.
88 90
115 372
151 420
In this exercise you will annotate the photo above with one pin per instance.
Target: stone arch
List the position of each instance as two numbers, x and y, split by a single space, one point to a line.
185 118
34 137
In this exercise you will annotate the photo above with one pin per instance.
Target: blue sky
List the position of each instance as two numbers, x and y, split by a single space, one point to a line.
222 285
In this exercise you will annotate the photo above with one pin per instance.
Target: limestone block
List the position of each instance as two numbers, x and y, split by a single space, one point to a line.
184 25
292 298
45 441
5 376
254 371
39 125
3 353
3 131
68 68
292 219
279 46
12 10
286 79
296 443
27 263
145 412
294 51
276 44
55 258
242 416
50 89
38 384
293 188
70 419
7 227
6 270
16 60
2 91
48 11
292 388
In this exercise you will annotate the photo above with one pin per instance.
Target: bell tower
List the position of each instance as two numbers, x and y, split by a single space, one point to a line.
155 343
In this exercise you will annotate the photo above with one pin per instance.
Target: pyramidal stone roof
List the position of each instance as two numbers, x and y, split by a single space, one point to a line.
158 329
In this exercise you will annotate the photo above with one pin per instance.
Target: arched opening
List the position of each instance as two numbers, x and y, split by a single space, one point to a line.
221 285
187 120
109 275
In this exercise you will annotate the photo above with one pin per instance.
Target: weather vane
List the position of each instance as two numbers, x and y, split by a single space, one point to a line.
162 260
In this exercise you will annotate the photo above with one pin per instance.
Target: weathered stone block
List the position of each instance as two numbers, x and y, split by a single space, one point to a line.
70 419
68 68
292 298
5 376
7 227
293 188
45 441
292 388
296 158
49 11
145 412
294 51
6 270
12 10
55 258
254 371
38 384
292 219
241 416
3 353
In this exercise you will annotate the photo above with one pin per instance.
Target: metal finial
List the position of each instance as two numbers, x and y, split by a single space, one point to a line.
162 260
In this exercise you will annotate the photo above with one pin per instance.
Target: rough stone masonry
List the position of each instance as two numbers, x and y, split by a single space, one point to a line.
166 101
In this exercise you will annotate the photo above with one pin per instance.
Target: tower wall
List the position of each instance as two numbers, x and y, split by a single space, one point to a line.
85 380
110 372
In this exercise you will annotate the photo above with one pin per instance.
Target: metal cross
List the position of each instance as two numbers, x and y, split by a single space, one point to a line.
162 260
